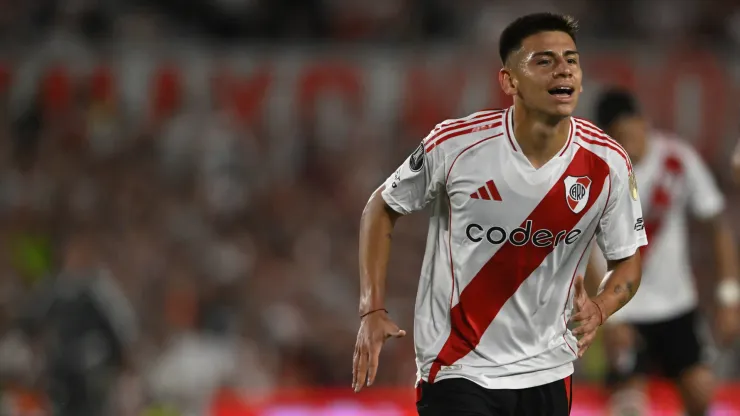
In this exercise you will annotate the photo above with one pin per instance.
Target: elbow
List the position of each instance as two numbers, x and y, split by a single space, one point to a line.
630 267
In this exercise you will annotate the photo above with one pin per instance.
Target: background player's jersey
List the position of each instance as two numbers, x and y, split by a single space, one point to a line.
673 180
505 244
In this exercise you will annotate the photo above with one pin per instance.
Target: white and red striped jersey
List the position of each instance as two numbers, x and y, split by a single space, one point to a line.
673 182
505 243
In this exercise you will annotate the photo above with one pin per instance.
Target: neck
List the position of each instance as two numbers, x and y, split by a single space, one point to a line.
540 136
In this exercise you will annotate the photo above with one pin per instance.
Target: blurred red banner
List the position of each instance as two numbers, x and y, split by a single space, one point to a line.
691 92
587 401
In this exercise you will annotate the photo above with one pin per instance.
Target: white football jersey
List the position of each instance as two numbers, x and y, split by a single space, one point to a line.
673 181
505 243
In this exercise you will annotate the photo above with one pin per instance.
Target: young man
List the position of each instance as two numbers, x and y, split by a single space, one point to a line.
658 329
516 196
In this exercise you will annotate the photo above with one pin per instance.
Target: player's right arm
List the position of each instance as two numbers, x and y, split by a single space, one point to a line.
418 181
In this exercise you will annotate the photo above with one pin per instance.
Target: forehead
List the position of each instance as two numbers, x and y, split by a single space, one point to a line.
548 41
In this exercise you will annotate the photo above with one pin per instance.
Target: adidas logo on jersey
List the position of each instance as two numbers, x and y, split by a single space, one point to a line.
521 236
487 192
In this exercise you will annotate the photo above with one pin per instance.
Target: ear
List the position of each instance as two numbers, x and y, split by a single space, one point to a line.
507 80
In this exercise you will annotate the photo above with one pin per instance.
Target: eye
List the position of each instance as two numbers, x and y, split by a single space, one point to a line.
573 61
543 62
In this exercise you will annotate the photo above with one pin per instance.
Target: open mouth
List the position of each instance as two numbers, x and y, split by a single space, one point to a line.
561 91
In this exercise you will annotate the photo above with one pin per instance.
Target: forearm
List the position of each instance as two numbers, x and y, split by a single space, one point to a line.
620 285
376 227
725 248
595 272
736 162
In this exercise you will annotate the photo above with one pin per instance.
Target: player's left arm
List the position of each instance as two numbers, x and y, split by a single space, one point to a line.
708 205
620 234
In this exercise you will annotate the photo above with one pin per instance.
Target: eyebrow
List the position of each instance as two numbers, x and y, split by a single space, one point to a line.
553 54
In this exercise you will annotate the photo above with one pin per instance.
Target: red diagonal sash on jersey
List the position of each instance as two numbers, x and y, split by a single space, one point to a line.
660 200
501 276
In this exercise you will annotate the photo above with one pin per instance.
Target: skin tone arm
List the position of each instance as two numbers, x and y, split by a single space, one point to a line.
621 285
736 163
618 289
725 249
376 227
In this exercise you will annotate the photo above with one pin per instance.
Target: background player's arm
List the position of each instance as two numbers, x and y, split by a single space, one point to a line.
736 163
725 249
708 205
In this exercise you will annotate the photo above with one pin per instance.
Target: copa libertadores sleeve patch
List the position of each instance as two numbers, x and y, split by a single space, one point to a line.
416 161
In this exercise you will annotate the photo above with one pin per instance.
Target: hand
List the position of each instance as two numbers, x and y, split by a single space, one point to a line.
375 329
588 316
727 323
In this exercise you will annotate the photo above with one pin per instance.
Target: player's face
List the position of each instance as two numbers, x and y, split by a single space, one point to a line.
631 133
547 73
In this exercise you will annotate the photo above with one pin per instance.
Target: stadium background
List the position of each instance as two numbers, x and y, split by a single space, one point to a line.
197 168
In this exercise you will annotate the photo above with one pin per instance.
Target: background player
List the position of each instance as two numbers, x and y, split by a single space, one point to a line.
516 197
673 180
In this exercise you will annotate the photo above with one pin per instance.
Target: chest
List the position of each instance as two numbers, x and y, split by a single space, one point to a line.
495 193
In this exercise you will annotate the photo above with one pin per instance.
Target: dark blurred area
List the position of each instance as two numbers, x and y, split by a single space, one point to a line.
182 181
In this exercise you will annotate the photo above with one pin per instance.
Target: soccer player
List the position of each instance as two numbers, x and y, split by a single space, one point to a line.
660 328
516 196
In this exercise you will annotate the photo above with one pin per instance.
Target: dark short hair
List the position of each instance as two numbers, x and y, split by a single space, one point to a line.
613 104
532 24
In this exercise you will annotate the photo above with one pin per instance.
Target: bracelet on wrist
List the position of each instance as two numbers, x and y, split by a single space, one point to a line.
373 311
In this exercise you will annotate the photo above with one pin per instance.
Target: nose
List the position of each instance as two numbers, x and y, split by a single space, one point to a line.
562 69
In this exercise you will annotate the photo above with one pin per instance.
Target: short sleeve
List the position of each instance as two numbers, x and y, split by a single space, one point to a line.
705 198
621 230
418 180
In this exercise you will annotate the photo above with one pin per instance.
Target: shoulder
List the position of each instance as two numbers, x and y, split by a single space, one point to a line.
453 136
593 139
676 152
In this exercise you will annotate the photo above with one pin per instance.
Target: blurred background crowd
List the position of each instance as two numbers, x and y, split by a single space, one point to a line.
181 181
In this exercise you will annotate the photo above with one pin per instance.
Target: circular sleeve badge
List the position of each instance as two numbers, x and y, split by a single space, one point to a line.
416 161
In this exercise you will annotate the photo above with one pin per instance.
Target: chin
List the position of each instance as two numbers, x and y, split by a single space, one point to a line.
561 110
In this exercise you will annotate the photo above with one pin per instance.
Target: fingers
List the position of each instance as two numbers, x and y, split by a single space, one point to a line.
398 333
587 323
361 370
585 342
372 366
355 366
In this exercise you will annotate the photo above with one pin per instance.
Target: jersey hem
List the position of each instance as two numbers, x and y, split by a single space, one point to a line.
628 251
393 203
513 382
